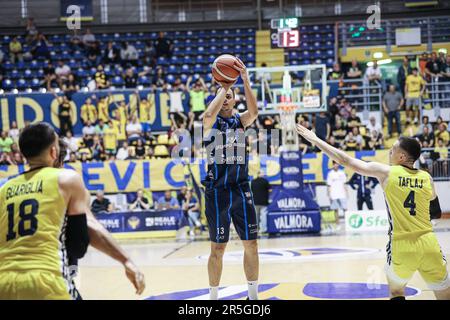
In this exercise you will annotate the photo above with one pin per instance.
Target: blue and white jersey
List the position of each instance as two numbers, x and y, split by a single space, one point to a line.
227 154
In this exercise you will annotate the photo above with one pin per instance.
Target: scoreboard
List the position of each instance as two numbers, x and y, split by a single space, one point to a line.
284 33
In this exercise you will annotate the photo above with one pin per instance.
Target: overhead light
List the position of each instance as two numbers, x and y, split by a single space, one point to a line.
379 62
378 55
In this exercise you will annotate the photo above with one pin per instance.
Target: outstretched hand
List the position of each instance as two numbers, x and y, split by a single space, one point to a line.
135 276
240 66
306 133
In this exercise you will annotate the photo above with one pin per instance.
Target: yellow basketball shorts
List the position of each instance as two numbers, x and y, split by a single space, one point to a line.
33 285
405 257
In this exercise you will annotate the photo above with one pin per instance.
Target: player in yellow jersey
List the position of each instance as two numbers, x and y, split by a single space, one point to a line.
102 240
42 220
411 201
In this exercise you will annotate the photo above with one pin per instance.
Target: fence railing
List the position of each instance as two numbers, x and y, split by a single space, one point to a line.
437 163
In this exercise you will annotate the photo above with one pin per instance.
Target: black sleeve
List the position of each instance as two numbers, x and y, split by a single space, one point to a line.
77 237
435 209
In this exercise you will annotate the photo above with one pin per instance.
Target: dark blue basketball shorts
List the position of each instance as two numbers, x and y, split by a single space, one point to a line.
235 204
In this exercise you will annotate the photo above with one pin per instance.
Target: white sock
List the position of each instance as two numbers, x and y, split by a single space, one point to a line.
253 290
213 293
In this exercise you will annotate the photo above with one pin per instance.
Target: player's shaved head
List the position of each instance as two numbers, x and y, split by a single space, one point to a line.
35 139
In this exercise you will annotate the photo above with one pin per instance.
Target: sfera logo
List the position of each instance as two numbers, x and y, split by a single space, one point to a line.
356 221
291 156
291 170
291 203
291 185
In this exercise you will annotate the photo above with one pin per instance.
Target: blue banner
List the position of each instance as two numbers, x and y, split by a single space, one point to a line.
291 170
136 221
293 221
32 107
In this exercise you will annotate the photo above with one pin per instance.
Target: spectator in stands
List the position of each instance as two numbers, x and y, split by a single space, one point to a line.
353 121
141 203
14 132
414 88
364 186
112 54
373 74
5 148
144 112
76 41
373 125
128 54
15 50
322 126
410 129
333 109
134 129
345 109
16 155
103 108
31 31
181 195
332 141
339 132
88 39
442 133
354 72
337 189
375 141
2 73
167 201
64 114
425 123
445 72
110 140
150 54
403 71
261 189
426 138
191 208
88 112
433 68
50 78
71 142
101 79
70 86
100 128
88 133
94 54
163 46
101 204
98 151
123 153
40 48
62 72
130 78
336 73
139 150
392 103
352 142
197 96
159 78
441 166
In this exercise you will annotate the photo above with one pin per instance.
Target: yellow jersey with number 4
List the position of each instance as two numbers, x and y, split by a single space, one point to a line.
31 222
408 193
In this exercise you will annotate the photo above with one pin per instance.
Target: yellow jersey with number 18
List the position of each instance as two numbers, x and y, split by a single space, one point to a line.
31 222
408 193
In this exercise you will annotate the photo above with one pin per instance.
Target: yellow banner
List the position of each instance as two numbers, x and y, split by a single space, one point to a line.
168 174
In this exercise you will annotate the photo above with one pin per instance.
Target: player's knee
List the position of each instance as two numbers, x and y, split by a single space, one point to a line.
218 250
251 245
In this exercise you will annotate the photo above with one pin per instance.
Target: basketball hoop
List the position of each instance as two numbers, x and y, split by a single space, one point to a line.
287 115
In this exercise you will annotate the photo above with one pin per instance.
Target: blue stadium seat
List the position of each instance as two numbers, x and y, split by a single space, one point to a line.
170 78
144 81
27 74
21 84
183 77
7 84
172 69
117 81
35 84
14 74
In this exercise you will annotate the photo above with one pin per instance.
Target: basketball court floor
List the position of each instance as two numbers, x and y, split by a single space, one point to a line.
337 266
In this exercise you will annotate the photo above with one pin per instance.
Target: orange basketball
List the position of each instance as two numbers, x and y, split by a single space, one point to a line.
223 69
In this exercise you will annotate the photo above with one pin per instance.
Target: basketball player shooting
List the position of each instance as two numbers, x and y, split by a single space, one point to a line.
411 200
228 194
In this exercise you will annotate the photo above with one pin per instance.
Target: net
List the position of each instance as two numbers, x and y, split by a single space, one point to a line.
287 115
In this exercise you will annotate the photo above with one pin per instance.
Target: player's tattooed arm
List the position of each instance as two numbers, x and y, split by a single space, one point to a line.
371 169
249 116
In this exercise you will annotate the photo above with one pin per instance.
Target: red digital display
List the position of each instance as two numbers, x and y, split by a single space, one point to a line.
289 39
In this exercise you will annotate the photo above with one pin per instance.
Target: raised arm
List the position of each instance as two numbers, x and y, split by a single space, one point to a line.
371 169
214 107
249 116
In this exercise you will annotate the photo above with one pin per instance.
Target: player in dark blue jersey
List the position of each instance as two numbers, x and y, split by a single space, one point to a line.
227 191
